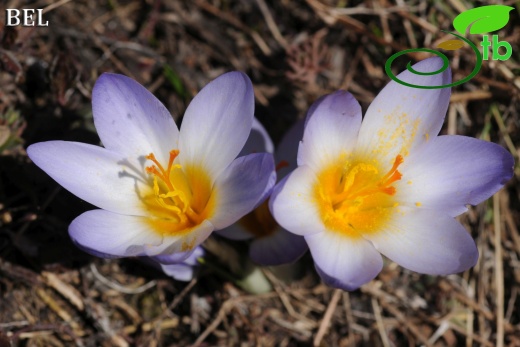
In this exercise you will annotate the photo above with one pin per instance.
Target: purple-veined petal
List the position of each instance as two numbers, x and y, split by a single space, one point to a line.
426 241
292 203
450 172
401 118
344 262
258 141
102 232
217 123
286 152
130 120
330 131
279 248
241 187
175 258
188 258
93 173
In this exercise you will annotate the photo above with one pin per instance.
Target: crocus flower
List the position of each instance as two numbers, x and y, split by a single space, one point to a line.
271 244
388 185
160 191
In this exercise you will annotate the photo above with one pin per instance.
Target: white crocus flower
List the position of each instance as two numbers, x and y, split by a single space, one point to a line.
160 191
388 185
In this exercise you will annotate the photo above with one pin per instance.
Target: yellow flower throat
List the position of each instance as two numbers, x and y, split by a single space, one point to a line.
180 199
354 197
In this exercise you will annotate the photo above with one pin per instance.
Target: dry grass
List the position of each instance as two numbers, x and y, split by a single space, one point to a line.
51 294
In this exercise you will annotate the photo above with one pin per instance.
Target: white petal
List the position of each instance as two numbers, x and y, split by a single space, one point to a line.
344 262
108 234
93 173
217 123
241 187
331 130
104 233
188 258
450 172
426 241
402 118
293 204
130 120
182 242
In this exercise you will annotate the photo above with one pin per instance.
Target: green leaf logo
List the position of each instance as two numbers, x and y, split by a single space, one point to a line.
482 19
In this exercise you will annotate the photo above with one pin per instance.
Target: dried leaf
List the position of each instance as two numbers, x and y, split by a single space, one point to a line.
451 45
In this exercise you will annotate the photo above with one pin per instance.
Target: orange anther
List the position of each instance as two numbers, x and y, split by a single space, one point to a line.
173 154
151 157
281 165
388 190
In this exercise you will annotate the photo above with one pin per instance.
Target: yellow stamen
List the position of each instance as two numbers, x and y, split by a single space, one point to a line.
178 201
354 198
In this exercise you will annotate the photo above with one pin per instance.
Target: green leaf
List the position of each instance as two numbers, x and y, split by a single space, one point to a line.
174 80
482 19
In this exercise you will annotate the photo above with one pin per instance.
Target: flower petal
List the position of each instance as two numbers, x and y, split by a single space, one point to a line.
292 203
344 262
281 247
217 123
180 272
241 187
401 118
331 129
450 172
188 258
426 241
174 258
183 271
93 173
258 140
130 120
104 233
181 243
100 232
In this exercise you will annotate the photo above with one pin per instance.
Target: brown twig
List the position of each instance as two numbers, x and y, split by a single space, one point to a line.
327 317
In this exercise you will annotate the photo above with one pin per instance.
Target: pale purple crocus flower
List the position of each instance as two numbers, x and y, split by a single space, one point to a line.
270 243
388 185
161 191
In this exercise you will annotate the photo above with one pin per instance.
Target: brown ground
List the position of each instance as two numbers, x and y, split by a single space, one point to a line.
52 294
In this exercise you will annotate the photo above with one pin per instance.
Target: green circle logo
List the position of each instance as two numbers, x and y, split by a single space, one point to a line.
478 20
445 65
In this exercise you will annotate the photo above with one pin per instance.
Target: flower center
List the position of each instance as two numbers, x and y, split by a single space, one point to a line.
260 222
355 197
180 199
